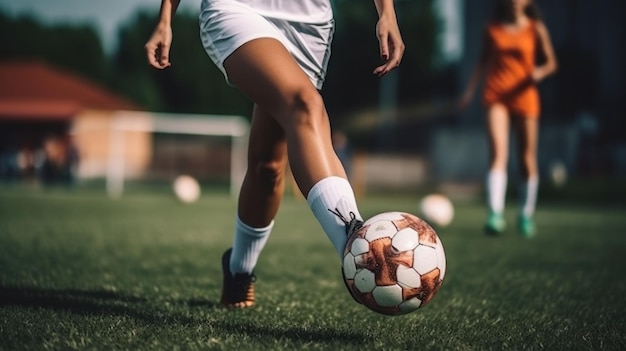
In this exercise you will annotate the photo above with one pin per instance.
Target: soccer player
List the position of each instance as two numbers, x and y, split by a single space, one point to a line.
276 52
507 64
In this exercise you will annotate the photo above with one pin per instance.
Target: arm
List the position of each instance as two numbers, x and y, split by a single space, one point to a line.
545 45
158 46
389 38
477 74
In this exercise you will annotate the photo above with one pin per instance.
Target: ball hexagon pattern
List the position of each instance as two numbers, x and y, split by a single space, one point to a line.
364 281
408 277
394 264
424 259
405 240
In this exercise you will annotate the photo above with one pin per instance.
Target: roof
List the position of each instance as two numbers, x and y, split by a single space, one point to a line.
37 90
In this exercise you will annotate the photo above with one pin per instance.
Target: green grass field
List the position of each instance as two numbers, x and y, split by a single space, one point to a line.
79 271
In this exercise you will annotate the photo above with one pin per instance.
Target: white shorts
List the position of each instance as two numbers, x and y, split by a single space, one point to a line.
225 25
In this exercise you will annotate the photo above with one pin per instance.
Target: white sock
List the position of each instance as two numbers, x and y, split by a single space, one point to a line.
333 194
528 196
247 246
496 190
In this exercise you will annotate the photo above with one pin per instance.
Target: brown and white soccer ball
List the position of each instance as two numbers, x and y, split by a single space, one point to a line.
394 264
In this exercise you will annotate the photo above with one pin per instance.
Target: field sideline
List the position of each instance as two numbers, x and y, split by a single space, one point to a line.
80 271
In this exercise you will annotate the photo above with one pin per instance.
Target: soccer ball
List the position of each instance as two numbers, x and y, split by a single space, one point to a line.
558 173
394 264
186 189
437 209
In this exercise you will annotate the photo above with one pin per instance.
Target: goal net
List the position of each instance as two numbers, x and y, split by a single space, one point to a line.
159 146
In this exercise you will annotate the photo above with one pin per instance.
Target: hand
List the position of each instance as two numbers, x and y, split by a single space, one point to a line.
158 47
537 75
391 45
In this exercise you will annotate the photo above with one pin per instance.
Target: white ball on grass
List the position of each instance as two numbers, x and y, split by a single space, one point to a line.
437 209
558 173
186 188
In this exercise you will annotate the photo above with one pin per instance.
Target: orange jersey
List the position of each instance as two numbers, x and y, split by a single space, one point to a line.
509 79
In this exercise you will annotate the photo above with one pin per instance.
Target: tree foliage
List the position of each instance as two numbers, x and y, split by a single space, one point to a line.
76 48
351 84
191 85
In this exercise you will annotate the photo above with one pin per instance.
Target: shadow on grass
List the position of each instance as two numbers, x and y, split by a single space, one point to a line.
109 303
83 302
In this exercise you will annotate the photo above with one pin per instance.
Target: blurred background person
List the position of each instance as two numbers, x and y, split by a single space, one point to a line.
517 54
59 161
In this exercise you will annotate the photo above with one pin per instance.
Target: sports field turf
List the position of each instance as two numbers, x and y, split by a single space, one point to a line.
79 271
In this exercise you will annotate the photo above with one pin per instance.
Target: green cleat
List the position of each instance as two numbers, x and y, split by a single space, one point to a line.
526 226
496 224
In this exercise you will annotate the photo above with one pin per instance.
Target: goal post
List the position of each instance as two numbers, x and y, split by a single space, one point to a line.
123 122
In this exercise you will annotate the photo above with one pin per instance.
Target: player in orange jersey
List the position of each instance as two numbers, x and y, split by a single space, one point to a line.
510 72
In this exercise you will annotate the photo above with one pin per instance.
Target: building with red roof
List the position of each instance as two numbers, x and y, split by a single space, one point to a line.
38 91
48 111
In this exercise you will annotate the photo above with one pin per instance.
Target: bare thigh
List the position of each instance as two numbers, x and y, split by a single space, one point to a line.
267 73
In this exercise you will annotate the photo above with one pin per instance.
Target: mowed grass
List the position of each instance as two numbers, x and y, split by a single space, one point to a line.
80 271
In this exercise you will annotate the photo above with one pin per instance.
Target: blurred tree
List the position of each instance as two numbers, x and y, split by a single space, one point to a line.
419 27
191 85
76 48
350 84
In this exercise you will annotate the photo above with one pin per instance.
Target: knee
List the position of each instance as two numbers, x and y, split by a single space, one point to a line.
530 168
306 109
269 174
499 160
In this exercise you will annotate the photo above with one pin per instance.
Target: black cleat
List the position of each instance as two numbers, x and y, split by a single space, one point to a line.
352 225
238 289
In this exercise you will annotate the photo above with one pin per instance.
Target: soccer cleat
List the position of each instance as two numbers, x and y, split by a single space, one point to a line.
526 226
238 289
352 225
496 224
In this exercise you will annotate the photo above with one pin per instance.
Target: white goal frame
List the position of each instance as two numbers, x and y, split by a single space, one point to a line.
235 127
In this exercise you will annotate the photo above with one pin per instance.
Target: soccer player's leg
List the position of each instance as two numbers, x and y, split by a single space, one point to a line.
496 182
266 72
259 200
527 136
